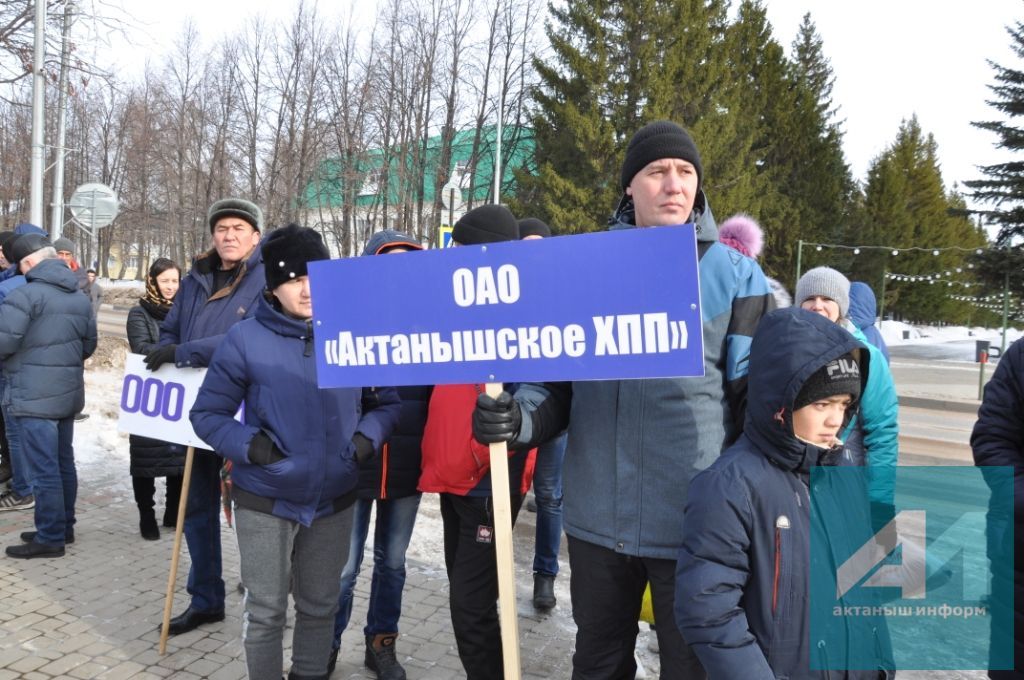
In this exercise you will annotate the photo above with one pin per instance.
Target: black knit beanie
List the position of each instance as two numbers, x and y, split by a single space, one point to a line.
839 376
531 226
287 250
660 139
486 224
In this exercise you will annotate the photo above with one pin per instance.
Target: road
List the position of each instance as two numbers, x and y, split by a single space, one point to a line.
111 321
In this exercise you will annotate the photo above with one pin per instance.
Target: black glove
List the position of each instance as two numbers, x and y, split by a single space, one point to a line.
160 356
263 450
496 420
364 448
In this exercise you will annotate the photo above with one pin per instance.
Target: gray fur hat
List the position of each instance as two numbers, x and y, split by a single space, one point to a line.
824 282
236 207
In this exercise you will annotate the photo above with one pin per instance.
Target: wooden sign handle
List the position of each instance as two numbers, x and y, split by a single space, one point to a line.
182 504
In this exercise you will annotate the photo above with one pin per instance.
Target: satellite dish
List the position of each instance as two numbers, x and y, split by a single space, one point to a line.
94 206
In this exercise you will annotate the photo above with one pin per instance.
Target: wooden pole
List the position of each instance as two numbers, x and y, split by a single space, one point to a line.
182 504
503 549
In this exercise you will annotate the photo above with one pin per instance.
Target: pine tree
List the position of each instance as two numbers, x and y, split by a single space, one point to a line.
906 206
1004 185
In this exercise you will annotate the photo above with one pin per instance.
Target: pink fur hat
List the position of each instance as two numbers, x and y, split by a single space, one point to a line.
742 233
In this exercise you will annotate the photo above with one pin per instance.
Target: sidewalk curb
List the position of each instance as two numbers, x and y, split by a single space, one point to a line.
940 404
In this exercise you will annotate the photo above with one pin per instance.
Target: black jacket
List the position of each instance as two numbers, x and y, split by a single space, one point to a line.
150 457
395 471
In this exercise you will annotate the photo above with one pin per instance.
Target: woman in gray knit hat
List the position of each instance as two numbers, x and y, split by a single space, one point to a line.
871 438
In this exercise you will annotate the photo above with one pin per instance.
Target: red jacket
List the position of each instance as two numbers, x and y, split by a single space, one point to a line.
454 462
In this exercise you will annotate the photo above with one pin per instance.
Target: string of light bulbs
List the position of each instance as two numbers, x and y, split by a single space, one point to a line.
897 276
895 251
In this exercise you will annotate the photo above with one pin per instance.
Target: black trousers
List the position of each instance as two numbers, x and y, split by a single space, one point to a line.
470 559
607 591
145 491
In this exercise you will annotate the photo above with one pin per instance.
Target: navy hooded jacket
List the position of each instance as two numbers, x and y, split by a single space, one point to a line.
268 362
863 310
742 576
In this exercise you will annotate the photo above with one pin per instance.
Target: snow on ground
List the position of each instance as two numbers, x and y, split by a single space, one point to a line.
899 333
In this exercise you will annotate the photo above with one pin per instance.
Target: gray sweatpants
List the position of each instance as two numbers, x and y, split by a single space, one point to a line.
274 553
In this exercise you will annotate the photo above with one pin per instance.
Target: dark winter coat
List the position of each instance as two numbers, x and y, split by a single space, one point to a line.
47 331
742 577
395 472
200 317
998 439
150 457
863 310
23 228
268 362
634 445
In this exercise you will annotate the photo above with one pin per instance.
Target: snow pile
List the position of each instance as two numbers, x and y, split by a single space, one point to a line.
899 333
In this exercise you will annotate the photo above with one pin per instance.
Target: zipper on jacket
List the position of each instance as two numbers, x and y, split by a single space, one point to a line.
384 471
781 524
308 350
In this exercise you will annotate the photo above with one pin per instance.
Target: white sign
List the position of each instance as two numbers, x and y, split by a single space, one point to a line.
156 404
94 205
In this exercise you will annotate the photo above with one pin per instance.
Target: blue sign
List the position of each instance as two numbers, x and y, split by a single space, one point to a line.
612 305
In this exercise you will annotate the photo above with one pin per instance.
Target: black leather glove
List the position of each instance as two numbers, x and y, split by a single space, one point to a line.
263 450
364 448
496 420
160 356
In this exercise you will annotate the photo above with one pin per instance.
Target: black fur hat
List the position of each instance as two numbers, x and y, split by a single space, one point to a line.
287 250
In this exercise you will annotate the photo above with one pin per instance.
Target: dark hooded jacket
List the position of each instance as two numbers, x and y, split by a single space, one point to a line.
863 310
634 445
200 316
742 578
998 439
47 331
268 363
396 471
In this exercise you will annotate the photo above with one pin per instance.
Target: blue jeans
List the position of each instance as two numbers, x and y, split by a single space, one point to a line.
392 531
47 450
20 481
547 490
202 532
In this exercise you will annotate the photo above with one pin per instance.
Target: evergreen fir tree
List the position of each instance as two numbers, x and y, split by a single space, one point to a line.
1004 183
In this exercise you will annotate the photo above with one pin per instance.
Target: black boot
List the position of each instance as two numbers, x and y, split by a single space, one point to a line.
380 657
143 488
171 502
543 591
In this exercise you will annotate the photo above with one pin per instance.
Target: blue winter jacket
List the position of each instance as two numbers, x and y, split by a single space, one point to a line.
200 317
47 331
872 438
863 310
742 574
634 445
268 362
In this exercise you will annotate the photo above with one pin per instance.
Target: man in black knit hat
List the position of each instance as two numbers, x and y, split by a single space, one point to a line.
634 445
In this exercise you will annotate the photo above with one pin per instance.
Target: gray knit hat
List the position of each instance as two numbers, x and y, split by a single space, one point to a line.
236 207
64 243
826 282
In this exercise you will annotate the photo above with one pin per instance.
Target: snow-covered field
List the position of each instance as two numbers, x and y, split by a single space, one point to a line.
899 333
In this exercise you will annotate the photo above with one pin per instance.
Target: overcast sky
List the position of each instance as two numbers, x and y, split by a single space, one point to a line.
891 58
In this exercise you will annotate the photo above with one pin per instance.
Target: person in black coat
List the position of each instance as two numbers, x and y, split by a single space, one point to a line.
152 458
998 439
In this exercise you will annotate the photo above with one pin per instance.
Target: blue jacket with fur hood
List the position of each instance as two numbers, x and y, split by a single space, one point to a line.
743 573
268 363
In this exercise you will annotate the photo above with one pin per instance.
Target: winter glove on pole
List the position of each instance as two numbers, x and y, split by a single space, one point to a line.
364 448
496 420
160 356
263 450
